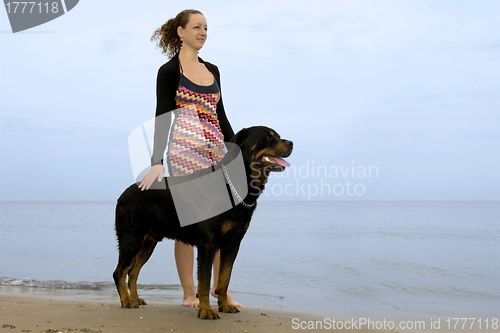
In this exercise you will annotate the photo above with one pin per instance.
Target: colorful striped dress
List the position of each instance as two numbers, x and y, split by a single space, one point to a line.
196 141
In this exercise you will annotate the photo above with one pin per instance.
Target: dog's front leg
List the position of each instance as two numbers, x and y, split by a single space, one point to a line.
227 258
205 259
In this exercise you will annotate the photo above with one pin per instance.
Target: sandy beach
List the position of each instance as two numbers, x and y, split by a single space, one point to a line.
56 315
31 314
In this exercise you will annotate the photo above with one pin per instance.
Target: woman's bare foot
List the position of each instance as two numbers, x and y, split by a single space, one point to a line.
230 299
191 301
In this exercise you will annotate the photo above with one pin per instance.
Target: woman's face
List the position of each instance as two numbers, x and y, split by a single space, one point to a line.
195 33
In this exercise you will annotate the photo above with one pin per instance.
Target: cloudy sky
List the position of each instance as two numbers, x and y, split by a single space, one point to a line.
384 99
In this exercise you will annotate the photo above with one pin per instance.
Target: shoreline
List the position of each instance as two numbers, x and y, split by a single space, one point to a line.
339 307
53 315
47 314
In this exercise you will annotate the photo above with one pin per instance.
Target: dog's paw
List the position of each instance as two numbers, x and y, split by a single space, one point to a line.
228 308
208 313
128 304
132 303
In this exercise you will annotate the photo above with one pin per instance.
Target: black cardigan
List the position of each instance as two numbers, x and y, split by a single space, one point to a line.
167 83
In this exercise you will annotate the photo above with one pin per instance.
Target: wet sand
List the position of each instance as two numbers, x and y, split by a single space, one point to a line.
32 314
56 315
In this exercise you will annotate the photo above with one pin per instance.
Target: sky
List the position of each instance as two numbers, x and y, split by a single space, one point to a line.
383 99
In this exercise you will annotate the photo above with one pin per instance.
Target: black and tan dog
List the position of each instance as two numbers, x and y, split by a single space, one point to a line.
143 218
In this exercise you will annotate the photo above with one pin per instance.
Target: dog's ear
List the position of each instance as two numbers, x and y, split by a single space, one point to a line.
239 137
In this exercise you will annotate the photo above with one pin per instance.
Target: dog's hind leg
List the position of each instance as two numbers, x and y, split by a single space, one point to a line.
128 248
120 277
227 258
147 247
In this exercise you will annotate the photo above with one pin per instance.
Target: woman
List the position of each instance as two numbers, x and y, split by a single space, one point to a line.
191 87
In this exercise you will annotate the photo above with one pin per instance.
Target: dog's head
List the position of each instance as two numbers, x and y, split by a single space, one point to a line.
262 147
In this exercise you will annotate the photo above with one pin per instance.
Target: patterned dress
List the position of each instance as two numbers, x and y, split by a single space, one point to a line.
196 141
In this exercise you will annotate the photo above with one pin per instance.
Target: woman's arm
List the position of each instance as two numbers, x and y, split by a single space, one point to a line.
166 84
225 126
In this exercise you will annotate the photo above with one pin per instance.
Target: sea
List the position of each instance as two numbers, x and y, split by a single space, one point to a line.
336 259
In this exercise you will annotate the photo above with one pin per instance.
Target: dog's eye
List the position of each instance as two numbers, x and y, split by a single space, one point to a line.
269 137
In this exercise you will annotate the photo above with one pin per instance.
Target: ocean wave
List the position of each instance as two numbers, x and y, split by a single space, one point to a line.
80 285
103 286
54 284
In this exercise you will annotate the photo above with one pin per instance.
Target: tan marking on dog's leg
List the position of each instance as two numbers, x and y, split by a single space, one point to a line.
147 248
120 277
227 258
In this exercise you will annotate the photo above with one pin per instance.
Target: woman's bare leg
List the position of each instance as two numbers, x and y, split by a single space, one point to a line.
184 259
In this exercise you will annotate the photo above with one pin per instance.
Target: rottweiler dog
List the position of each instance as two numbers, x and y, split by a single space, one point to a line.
143 218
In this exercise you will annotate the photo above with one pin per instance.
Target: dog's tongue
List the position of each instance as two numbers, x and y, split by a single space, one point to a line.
279 161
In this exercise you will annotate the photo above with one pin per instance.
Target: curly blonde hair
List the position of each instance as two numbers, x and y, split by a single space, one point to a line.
166 36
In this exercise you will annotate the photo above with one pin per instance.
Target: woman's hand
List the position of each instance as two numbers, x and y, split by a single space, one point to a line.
155 173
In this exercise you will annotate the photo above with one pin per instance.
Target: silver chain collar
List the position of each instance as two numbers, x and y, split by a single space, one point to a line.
233 189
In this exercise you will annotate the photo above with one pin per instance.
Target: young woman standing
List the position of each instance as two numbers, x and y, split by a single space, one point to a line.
190 86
